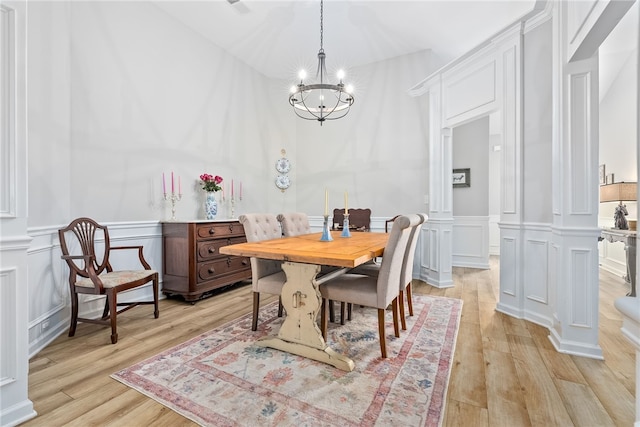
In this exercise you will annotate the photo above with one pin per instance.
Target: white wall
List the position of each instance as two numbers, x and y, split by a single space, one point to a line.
471 150
378 153
140 94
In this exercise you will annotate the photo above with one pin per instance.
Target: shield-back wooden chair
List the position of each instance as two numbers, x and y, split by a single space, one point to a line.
90 272
359 219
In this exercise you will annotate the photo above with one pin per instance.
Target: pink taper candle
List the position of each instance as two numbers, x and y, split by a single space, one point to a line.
164 186
172 186
232 189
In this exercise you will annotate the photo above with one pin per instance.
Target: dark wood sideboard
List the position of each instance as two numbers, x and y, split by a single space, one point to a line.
192 262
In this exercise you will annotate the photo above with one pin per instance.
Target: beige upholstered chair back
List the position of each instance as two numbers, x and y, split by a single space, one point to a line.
407 263
392 262
294 223
259 227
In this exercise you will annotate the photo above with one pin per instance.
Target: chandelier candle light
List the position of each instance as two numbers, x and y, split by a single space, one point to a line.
333 100
173 196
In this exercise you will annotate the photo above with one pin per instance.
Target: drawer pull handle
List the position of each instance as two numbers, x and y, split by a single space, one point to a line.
212 230
228 262
231 228
212 250
211 270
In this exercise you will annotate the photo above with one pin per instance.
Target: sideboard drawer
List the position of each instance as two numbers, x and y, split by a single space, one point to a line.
219 230
210 249
214 269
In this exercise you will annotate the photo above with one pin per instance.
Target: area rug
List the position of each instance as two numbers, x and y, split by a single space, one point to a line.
221 378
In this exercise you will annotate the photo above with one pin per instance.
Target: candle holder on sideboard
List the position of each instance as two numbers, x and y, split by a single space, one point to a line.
326 234
174 198
345 226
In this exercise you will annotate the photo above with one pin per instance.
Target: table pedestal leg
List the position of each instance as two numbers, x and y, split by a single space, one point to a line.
299 333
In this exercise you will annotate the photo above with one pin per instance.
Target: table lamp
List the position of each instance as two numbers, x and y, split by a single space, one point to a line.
619 192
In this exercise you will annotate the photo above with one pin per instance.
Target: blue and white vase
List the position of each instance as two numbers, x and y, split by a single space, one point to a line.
211 205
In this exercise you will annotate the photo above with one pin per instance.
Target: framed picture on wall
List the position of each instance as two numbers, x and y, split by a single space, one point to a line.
462 177
603 176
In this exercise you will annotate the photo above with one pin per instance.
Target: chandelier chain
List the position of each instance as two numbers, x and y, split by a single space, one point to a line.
321 26
308 100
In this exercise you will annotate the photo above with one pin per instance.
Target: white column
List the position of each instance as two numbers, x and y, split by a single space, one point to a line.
14 242
436 237
574 283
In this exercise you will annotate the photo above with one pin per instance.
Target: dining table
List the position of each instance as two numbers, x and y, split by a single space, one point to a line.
302 258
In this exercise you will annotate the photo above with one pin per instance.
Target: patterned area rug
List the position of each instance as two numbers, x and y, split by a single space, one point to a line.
221 378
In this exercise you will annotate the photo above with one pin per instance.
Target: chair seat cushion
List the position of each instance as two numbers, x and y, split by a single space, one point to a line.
116 278
369 269
272 284
354 288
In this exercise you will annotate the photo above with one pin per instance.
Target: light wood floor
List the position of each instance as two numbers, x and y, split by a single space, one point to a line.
505 370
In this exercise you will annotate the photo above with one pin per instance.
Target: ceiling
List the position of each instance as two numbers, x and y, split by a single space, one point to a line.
278 38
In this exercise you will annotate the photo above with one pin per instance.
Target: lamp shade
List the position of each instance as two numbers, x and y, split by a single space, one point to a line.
619 192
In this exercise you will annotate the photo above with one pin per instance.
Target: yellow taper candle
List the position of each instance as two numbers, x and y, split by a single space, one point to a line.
346 203
326 202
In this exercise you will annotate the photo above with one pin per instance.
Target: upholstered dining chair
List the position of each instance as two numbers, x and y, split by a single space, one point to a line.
375 291
90 272
266 275
294 223
406 278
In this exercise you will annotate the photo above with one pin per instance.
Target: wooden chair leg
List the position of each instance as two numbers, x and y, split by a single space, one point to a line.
409 299
332 315
112 296
105 312
394 309
349 310
156 310
383 342
256 306
280 307
324 324
74 314
343 309
401 308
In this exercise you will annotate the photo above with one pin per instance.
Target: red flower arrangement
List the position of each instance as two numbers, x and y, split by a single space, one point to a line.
210 182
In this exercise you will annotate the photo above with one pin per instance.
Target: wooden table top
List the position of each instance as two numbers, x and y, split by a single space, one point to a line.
340 252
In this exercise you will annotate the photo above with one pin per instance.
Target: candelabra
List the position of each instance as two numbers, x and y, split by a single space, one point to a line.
326 234
174 198
232 205
345 226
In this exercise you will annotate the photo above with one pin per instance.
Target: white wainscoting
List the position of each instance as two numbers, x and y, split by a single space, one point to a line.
49 297
537 273
470 241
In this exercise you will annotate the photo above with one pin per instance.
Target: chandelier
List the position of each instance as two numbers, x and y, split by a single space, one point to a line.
321 101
